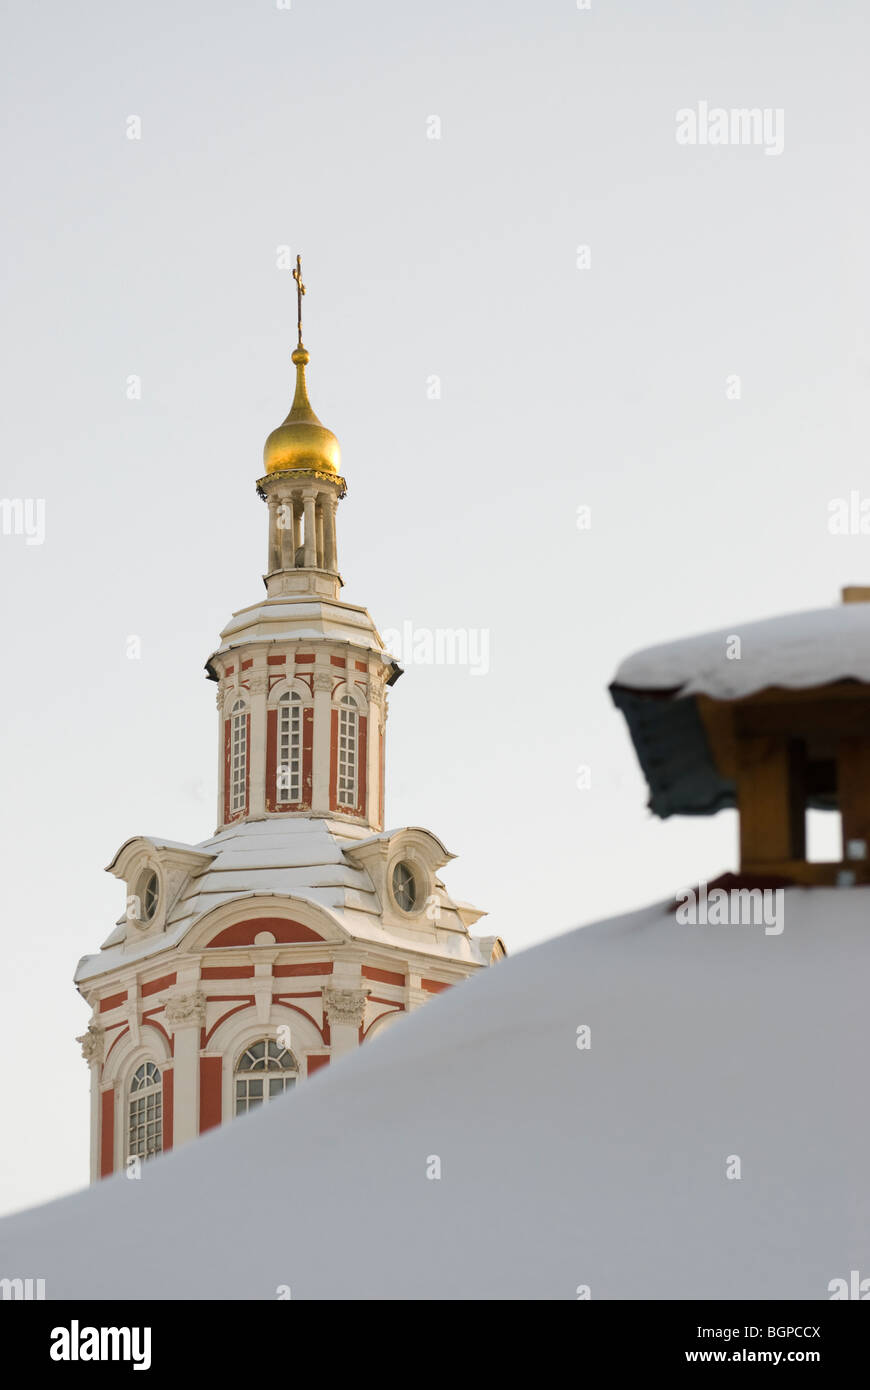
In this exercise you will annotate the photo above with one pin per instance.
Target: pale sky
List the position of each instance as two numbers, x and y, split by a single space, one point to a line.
562 386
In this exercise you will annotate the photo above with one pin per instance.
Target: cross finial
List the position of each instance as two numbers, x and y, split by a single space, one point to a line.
300 290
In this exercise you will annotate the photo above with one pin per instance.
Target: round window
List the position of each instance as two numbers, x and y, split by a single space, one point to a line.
149 894
405 887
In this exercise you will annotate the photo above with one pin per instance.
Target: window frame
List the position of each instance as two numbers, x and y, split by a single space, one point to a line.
237 800
241 1075
414 878
151 1091
347 706
291 704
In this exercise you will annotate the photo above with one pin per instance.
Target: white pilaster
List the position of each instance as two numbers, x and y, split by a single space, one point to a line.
373 759
93 1051
185 1015
219 701
320 773
345 1008
415 995
258 686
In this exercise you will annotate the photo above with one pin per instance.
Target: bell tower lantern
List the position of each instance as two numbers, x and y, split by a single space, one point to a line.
302 486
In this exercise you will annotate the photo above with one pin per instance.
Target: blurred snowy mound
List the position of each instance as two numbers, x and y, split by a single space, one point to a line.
561 1166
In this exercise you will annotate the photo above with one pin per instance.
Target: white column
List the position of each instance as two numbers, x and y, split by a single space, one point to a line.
286 543
297 528
308 497
329 550
275 534
319 520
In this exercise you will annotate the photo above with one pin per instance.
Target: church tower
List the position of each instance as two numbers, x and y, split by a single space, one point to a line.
302 928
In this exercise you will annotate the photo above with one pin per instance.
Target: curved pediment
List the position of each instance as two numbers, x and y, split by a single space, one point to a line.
262 923
263 931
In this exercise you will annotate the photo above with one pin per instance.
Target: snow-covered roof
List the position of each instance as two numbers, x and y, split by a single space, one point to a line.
658 689
559 1166
282 618
797 651
302 858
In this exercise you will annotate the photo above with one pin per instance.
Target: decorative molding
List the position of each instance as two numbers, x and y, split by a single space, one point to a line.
93 1043
132 1011
258 685
184 1009
345 1005
323 680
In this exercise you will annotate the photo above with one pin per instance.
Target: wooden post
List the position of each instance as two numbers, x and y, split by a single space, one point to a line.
853 789
771 799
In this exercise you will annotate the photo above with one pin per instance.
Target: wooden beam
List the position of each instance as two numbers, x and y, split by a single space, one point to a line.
805 719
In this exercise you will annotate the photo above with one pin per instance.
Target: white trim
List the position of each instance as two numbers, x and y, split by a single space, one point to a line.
384 1021
350 688
424 879
229 914
295 684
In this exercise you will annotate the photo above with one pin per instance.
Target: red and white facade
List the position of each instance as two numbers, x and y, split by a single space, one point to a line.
244 964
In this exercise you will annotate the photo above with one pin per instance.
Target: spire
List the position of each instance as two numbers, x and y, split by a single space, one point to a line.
300 290
301 443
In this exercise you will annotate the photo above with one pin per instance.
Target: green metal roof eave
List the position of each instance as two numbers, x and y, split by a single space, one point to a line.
674 753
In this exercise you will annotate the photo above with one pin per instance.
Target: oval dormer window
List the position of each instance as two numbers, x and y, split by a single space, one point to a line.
149 894
405 887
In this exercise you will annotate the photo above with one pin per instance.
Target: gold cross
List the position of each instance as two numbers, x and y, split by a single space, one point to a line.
300 290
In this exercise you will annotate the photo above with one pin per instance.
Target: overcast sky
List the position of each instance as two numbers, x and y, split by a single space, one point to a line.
599 378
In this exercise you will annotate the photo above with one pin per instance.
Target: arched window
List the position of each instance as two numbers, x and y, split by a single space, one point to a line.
288 787
264 1070
348 739
145 1115
238 756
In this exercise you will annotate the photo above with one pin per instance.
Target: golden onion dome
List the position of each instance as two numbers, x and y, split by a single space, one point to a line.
302 442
